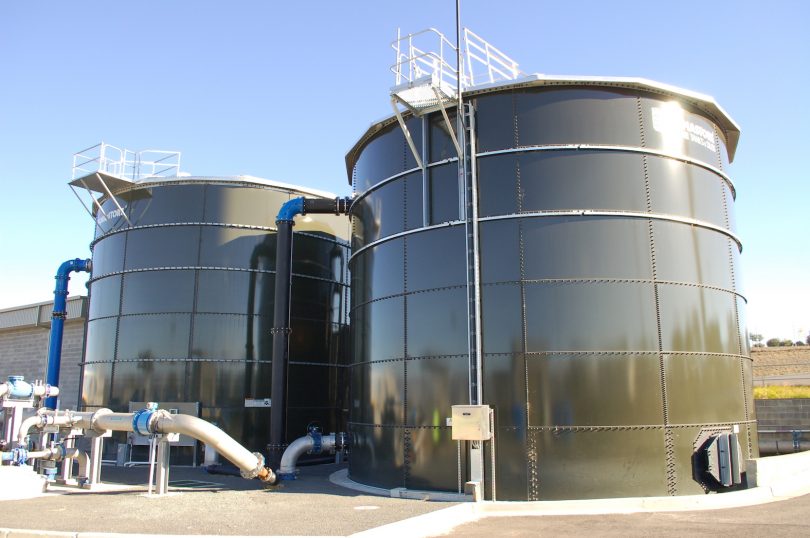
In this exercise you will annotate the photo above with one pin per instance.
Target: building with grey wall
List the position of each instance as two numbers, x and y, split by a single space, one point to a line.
24 334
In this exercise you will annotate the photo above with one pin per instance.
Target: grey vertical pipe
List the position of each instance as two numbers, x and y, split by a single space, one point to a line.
281 311
281 340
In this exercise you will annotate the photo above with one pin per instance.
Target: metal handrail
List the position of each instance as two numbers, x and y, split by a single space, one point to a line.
125 163
415 58
413 62
499 66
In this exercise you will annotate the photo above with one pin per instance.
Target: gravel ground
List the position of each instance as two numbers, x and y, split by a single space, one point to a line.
310 506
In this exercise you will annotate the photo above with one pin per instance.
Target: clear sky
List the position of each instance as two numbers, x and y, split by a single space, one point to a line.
283 90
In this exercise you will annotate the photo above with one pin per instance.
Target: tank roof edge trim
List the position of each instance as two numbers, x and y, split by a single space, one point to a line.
244 180
705 103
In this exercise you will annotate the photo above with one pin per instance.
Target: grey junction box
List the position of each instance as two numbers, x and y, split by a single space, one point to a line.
471 423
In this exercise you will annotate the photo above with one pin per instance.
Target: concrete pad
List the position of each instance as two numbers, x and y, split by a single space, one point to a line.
20 483
785 477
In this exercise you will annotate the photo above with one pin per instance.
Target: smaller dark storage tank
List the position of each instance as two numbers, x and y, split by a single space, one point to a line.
605 281
181 305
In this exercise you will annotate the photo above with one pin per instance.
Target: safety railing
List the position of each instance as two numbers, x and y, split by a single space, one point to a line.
124 163
496 65
430 53
432 56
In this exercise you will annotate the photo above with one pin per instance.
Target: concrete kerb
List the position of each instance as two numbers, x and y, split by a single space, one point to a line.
341 478
779 478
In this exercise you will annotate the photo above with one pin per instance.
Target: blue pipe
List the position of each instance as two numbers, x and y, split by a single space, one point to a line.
290 209
58 320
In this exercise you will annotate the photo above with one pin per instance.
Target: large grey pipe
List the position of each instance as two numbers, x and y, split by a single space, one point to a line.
151 421
309 443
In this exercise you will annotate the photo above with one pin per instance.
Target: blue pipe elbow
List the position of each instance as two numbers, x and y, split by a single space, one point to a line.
58 320
290 209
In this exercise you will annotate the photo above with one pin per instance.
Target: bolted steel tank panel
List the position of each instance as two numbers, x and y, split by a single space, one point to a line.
612 319
181 305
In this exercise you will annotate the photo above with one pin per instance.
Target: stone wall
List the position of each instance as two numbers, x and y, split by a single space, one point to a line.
24 351
776 422
786 414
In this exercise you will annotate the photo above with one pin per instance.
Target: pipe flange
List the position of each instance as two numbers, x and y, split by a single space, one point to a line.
19 456
253 473
317 442
140 421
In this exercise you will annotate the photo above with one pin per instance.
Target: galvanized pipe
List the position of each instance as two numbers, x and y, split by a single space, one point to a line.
150 421
26 426
301 446
57 453
250 463
50 418
78 455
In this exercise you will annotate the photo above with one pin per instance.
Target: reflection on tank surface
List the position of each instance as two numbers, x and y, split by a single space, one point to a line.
181 306
612 319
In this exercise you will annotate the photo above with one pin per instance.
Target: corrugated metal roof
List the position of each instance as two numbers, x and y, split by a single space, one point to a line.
39 314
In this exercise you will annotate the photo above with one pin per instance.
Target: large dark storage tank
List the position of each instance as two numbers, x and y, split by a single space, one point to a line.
181 305
613 329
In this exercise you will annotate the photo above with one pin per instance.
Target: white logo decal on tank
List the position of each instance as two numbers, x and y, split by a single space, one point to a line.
670 120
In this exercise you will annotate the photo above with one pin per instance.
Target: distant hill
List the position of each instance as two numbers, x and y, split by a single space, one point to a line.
781 360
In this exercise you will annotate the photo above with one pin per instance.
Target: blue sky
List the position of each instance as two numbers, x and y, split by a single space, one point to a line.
283 90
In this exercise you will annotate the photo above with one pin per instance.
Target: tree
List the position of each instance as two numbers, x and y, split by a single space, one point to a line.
773 342
787 342
808 340
757 338
799 343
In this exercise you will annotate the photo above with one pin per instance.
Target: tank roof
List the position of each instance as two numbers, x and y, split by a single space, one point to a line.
116 184
704 103
239 180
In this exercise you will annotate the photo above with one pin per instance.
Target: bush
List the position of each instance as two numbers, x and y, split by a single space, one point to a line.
799 343
773 342
787 343
778 392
